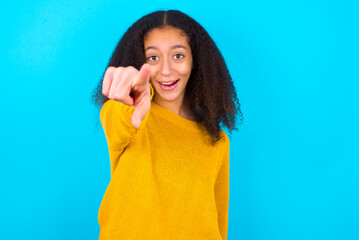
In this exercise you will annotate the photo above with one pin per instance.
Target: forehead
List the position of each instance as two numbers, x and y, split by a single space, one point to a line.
166 36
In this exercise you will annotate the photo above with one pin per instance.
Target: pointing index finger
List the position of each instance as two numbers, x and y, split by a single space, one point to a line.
143 76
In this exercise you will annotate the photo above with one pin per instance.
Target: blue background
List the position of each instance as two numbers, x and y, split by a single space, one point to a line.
294 161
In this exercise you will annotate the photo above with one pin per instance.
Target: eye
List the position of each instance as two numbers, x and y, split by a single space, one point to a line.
178 56
152 58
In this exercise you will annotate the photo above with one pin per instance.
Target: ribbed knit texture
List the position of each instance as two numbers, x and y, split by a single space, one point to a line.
167 180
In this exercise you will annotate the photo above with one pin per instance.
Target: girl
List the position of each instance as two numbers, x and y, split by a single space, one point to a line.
164 95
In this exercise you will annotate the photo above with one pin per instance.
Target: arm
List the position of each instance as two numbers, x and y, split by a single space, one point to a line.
130 101
222 193
116 121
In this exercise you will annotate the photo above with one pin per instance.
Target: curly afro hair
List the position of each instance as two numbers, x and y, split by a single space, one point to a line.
210 88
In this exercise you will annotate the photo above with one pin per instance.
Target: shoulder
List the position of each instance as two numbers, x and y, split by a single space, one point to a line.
222 145
224 138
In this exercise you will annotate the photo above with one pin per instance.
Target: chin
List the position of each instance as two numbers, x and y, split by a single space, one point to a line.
169 98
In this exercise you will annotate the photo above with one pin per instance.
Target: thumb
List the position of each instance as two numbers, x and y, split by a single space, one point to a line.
140 112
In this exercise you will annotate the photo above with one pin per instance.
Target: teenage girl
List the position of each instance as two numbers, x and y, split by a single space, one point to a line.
163 97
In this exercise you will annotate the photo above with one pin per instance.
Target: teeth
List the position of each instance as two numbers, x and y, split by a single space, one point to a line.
167 84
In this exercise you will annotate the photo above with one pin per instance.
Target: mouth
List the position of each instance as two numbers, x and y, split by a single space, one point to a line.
168 86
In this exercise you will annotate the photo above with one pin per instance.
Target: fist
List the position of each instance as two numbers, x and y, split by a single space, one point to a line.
131 87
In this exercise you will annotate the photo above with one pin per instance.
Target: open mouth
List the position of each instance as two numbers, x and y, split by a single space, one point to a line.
169 84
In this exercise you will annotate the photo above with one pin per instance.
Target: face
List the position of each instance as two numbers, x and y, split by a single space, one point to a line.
168 52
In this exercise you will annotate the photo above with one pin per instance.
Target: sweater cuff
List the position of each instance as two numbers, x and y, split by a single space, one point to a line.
152 91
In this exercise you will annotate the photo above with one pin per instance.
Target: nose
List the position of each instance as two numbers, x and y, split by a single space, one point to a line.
166 67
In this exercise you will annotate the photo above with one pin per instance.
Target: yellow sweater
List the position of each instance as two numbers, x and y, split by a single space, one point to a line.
167 180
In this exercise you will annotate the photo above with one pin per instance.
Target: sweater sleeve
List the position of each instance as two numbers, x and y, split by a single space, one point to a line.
222 193
116 121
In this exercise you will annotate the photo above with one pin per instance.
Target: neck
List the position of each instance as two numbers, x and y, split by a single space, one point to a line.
181 106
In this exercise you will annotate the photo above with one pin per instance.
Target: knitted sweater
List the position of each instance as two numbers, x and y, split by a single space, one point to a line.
167 180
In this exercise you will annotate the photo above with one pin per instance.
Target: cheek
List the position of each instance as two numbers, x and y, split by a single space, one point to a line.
185 70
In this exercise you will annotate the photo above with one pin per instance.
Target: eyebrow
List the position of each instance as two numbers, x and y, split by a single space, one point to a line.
173 47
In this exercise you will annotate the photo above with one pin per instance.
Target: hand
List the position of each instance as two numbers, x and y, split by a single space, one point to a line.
131 87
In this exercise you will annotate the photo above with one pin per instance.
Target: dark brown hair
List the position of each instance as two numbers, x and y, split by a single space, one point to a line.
210 88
